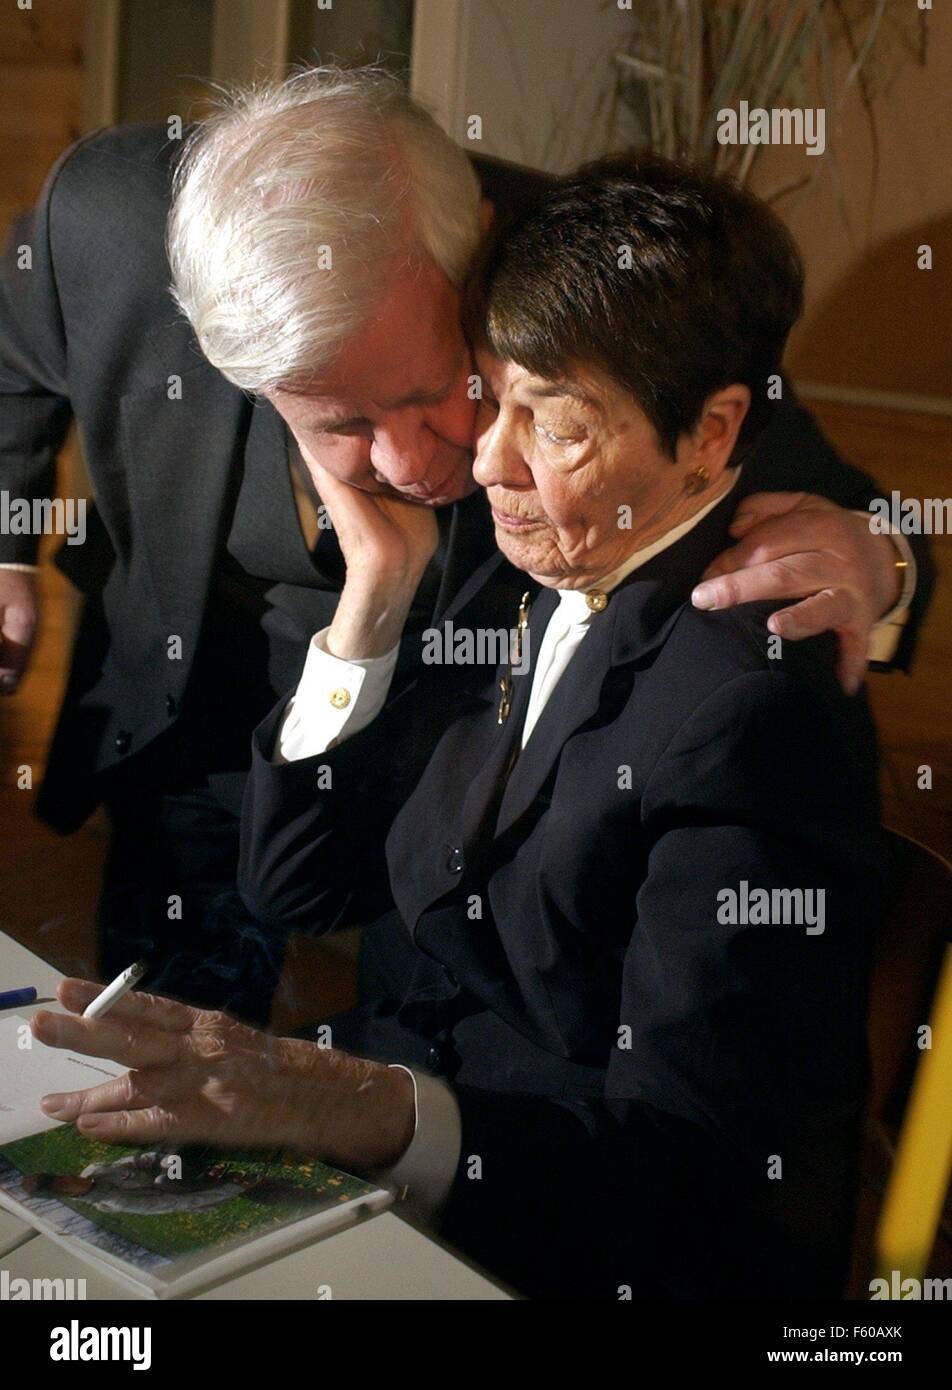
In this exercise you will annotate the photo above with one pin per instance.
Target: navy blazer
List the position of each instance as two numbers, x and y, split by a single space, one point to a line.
658 1099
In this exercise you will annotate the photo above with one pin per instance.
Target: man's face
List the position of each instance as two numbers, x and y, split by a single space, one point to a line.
392 412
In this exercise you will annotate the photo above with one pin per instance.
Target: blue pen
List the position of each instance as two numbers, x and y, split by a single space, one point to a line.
13 997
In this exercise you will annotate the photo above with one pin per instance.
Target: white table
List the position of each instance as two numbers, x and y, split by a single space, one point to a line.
384 1258
13 1232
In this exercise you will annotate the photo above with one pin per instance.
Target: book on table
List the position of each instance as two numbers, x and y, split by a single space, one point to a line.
168 1221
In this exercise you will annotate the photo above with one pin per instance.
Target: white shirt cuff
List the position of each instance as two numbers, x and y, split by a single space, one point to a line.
428 1167
909 578
19 565
334 700
884 638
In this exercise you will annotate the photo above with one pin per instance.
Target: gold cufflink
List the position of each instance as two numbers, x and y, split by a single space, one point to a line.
596 601
340 698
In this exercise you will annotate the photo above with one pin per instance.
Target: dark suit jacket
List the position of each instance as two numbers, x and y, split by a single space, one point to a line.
675 759
91 331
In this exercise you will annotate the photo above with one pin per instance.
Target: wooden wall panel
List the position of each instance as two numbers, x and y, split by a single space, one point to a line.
41 72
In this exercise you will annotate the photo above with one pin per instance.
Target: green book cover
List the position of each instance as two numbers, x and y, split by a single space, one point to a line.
157 1212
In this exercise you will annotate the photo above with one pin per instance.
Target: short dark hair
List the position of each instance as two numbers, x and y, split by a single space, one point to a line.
671 279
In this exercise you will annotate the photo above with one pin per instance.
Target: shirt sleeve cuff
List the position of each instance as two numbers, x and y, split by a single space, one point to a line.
884 638
19 565
428 1167
334 700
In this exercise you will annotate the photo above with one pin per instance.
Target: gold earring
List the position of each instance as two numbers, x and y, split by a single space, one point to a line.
697 480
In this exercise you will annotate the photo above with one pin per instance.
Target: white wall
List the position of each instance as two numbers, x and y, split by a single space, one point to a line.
538 73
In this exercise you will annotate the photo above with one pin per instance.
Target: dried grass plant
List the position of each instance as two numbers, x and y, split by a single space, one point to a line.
689 59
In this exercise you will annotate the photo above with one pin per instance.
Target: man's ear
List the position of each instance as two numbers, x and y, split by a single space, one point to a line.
487 211
717 430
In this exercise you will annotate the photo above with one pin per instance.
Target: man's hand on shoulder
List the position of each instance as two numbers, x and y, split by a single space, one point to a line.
794 545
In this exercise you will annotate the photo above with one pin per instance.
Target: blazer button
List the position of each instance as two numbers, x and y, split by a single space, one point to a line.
456 862
434 1059
123 742
170 706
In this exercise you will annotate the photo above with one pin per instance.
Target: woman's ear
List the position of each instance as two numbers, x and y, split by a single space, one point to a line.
716 433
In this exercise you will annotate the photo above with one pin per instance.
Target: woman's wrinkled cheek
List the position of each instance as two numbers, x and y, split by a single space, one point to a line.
594 542
575 539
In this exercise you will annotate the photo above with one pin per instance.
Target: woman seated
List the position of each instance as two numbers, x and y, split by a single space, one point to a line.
629 864
637 865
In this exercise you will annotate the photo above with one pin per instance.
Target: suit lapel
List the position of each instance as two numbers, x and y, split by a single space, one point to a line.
485 792
575 700
465 779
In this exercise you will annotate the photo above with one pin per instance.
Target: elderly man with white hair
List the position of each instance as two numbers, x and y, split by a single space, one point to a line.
226 321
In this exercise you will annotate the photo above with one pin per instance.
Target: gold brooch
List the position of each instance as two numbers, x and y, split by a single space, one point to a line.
596 600
515 658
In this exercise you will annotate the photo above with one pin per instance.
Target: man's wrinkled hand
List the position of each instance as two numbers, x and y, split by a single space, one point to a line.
198 1077
387 543
793 545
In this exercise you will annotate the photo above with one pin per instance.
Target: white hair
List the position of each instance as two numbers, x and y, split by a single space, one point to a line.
293 207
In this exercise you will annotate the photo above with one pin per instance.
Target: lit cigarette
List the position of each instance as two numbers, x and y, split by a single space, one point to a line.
112 993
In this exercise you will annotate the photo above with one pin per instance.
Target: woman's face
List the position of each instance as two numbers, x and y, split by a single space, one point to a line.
574 473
